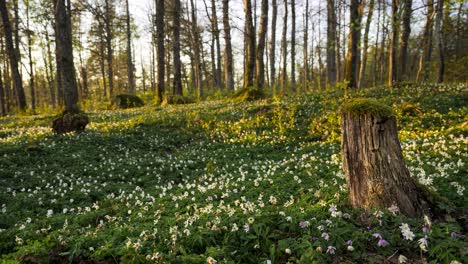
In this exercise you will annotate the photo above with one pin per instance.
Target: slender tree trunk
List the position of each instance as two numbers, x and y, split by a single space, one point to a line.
353 42
50 67
196 52
16 31
160 10
110 52
228 61
273 43
130 67
67 70
331 47
2 95
32 85
362 70
440 40
426 55
249 37
284 48
392 63
176 48
376 45
13 56
305 49
262 32
405 34
293 45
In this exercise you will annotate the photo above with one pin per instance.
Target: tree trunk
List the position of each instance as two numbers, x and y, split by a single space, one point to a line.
262 32
362 70
2 95
305 49
249 38
130 67
160 47
331 47
405 34
293 45
274 15
196 46
374 166
353 42
32 85
110 52
49 65
12 56
392 62
66 70
228 62
440 40
177 82
284 48
426 55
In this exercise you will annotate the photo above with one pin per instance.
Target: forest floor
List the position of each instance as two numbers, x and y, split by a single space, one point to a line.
238 182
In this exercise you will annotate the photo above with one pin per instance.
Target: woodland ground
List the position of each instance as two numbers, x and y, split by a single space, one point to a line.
239 182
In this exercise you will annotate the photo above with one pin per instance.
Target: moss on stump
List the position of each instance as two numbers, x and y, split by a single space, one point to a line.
248 94
358 106
70 122
125 101
177 100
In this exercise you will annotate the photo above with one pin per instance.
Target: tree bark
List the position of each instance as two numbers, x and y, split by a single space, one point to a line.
249 38
110 52
293 45
50 67
274 15
32 85
426 55
353 42
197 50
177 82
12 56
362 70
262 32
66 69
440 40
2 95
374 166
392 62
228 61
130 67
305 49
331 44
284 48
160 8
405 34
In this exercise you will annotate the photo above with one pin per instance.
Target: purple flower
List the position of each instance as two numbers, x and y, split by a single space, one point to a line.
425 230
377 235
382 243
454 235
304 224
349 242
325 236
331 250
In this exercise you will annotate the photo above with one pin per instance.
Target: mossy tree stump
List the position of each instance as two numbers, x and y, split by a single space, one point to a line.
69 122
375 170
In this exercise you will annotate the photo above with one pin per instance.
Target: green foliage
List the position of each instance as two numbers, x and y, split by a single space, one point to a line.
177 100
239 182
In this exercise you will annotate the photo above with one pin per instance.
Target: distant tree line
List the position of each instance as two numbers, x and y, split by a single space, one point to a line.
47 59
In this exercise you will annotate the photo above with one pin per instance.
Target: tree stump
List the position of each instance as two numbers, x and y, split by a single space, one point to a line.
375 170
70 122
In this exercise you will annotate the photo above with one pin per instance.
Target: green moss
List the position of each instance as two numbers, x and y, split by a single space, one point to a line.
177 100
124 101
367 106
248 94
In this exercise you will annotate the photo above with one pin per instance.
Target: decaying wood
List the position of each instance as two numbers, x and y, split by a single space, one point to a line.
375 170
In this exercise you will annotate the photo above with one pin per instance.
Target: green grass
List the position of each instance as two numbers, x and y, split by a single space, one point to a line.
241 182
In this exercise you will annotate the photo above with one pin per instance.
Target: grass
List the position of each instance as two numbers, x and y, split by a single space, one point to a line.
240 182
